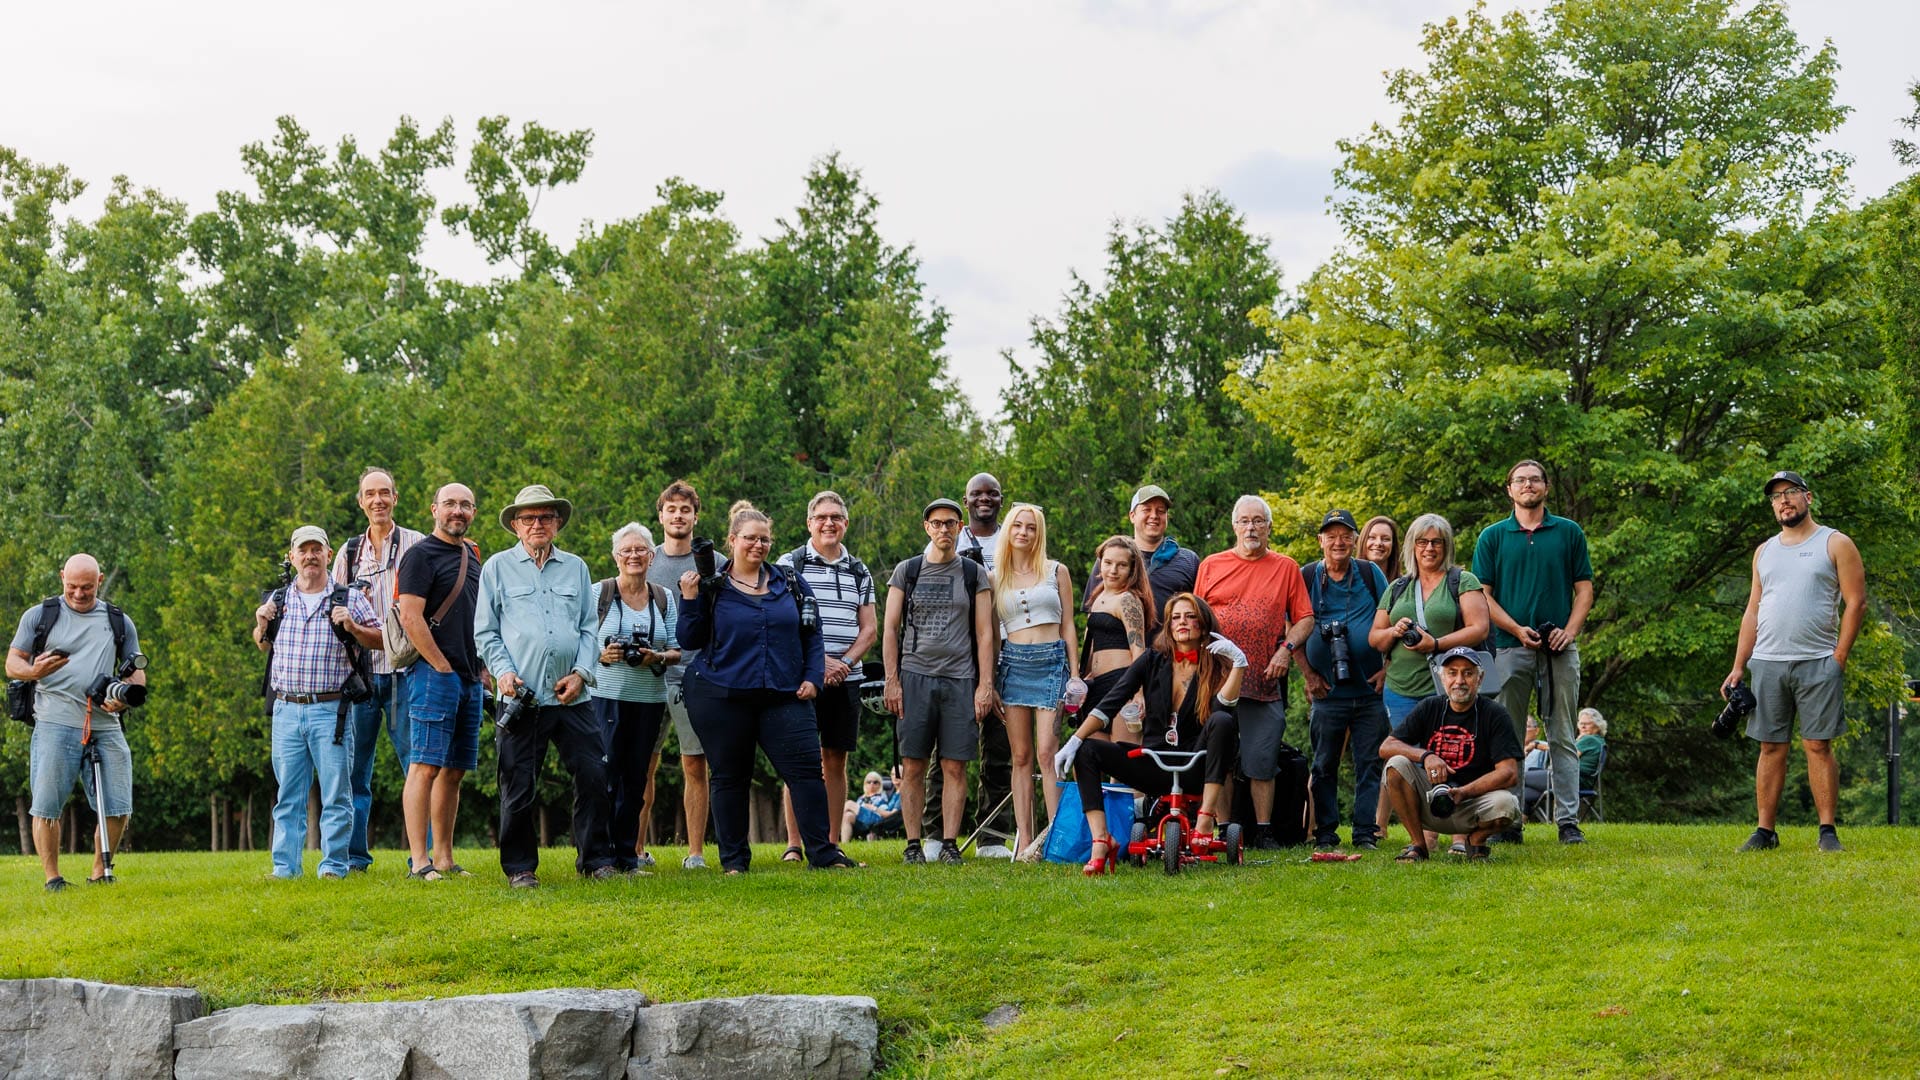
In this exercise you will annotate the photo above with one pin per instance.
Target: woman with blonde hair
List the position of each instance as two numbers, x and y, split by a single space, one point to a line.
1033 598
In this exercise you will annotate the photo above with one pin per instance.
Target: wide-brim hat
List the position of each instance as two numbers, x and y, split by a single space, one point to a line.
531 496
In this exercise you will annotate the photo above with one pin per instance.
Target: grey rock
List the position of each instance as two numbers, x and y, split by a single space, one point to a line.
71 1028
538 1035
1001 1017
759 1036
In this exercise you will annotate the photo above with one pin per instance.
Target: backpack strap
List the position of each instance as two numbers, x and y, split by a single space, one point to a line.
792 577
909 586
467 549
350 561
609 592
117 621
1453 585
49 614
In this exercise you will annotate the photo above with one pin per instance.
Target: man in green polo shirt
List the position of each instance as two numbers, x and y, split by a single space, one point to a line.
1534 571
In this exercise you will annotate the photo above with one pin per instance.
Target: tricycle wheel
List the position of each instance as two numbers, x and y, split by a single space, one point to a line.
1171 838
1234 840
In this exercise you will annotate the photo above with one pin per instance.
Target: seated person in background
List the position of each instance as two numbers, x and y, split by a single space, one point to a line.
1463 742
1192 664
1534 766
1591 744
878 804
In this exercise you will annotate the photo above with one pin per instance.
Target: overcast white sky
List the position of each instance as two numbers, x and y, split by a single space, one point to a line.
1002 139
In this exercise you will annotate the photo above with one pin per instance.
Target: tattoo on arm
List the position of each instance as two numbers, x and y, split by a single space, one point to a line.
1135 621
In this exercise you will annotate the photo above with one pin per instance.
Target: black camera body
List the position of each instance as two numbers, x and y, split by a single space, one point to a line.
1740 705
703 562
116 689
1546 631
1440 801
634 649
509 713
1411 637
1334 633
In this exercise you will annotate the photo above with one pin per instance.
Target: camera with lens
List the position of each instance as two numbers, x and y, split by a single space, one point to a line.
1335 635
1740 705
703 562
1546 631
809 614
1440 801
508 714
116 689
635 649
1411 636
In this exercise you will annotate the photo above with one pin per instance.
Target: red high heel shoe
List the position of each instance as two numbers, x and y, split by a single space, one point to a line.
1101 864
1198 832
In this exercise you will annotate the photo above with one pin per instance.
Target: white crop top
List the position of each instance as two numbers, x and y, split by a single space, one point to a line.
1037 606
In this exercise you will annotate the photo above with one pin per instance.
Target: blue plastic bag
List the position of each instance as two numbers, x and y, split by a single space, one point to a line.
1068 841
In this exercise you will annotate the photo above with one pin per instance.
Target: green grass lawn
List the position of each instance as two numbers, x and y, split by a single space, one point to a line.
1651 951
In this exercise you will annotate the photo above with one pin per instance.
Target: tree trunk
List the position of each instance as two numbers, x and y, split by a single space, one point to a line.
213 823
246 824
23 809
680 823
313 815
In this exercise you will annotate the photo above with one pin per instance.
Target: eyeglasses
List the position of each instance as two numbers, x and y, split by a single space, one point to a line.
538 519
828 519
944 524
1527 481
1241 523
761 541
452 505
1778 497
632 553
1430 541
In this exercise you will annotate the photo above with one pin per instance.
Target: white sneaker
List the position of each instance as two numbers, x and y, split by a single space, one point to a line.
993 851
695 861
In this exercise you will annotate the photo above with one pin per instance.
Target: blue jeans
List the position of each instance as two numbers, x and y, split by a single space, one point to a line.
1335 722
302 745
389 699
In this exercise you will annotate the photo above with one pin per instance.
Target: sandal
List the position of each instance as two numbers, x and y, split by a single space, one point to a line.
1105 863
1460 848
425 873
1411 853
793 854
1197 830
1479 853
455 870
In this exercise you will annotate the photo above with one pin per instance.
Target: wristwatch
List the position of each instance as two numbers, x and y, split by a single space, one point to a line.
1289 645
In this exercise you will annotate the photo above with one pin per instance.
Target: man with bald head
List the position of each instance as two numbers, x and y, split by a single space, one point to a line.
62 647
978 538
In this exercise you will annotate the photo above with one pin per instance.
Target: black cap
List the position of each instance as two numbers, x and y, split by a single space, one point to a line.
1789 476
1338 517
942 504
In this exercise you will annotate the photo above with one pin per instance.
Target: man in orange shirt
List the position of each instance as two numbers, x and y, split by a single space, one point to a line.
1261 601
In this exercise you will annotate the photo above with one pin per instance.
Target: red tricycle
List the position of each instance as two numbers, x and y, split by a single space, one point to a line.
1167 833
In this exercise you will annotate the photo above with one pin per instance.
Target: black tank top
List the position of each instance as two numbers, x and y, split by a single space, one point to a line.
1105 631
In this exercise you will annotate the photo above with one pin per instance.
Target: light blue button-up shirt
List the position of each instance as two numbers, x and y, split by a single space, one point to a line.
536 621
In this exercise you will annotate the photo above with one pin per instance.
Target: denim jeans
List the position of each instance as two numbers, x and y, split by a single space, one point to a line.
1398 706
1337 722
389 699
303 745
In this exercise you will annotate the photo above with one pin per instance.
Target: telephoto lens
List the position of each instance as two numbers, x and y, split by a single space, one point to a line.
1740 705
703 559
507 714
1441 801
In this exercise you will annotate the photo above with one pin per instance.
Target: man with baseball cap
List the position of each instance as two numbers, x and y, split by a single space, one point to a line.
313 629
534 626
938 650
1170 567
1804 611
1453 762
1344 674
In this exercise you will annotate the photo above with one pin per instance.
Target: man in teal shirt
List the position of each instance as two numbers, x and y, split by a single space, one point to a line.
534 628
1534 571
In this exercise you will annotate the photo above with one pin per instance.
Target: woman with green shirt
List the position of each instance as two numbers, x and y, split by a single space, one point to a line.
1443 601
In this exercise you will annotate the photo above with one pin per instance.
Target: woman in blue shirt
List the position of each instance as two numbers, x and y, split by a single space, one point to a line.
753 684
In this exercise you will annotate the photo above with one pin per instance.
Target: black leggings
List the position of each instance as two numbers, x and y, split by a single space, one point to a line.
1219 737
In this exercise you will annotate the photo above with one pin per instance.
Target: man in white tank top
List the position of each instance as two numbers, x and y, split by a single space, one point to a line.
1809 597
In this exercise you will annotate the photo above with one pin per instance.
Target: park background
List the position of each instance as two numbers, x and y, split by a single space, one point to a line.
1613 236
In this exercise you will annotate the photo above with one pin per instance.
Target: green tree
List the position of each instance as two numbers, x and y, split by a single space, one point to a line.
1604 238
1129 387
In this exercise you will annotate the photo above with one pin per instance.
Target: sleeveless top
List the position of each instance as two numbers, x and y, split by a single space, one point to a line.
1038 606
1106 631
1799 600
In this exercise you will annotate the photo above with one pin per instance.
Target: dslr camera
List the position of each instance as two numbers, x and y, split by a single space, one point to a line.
508 715
114 688
634 649
1740 705
1546 631
703 562
1411 637
1335 635
1440 801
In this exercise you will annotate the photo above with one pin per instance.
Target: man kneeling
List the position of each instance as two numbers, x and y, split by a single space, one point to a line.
1452 762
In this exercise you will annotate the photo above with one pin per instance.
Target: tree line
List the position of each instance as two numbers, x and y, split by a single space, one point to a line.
1604 236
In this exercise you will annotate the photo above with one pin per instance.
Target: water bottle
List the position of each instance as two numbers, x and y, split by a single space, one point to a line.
1074 697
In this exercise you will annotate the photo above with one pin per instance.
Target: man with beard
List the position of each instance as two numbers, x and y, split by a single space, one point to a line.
1534 571
1803 613
441 575
1170 567
1460 741
678 508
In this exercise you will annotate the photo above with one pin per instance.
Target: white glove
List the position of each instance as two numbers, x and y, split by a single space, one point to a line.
1220 646
1063 761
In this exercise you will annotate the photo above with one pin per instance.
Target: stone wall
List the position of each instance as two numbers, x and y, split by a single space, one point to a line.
70 1028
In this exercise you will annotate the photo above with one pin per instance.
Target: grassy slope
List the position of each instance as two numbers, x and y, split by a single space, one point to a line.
1654 950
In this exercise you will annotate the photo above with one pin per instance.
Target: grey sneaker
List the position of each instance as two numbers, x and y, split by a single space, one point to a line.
1830 839
695 861
914 855
1761 840
950 852
647 861
525 879
601 873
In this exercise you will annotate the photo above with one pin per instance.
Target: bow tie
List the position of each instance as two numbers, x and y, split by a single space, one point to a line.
1190 656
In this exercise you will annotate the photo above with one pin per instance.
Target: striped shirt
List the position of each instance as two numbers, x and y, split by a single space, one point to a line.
622 681
307 657
840 589
380 567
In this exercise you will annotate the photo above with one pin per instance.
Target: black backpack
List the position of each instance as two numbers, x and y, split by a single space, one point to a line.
20 691
971 567
799 557
1292 799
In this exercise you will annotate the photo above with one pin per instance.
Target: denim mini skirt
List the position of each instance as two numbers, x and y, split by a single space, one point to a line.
1033 676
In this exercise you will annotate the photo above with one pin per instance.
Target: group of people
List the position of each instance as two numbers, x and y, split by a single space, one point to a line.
744 649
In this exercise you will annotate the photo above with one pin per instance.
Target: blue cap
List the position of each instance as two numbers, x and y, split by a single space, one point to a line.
1465 652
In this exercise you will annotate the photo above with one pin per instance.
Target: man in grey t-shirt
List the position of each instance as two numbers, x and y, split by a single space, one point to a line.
1804 611
679 510
938 649
79 649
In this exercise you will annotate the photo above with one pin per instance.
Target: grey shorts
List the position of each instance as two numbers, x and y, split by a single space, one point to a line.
1469 814
1263 725
682 728
933 707
1810 689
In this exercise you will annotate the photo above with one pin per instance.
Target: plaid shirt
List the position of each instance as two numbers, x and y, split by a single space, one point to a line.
307 657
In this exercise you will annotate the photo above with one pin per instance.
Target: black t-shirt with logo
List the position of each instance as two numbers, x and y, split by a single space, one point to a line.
430 570
1470 742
